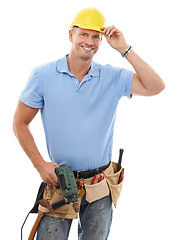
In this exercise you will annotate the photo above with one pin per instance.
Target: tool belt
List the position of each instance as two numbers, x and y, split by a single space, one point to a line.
91 173
94 192
98 183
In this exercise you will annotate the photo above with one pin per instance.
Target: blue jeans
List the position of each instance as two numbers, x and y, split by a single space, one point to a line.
95 217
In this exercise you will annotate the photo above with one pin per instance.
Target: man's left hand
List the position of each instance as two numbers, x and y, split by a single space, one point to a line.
115 38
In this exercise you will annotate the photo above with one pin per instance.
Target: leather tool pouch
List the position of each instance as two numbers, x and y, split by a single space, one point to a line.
53 194
108 185
112 180
96 191
39 197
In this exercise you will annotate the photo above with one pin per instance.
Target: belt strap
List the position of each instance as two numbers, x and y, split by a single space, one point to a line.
91 173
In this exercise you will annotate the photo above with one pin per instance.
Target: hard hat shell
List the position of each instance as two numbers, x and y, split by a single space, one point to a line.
89 18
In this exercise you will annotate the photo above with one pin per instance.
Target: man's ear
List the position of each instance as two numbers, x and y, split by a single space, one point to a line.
71 35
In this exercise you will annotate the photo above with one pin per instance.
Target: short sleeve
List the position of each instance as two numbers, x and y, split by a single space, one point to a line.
32 95
124 82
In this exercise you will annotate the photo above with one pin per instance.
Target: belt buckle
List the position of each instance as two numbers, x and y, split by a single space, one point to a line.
79 172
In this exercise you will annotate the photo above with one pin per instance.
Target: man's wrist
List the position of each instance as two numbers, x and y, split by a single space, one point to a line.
126 52
38 164
123 49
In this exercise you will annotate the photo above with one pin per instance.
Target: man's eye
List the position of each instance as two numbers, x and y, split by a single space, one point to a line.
96 36
83 34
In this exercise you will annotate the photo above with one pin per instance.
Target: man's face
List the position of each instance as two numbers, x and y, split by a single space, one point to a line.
85 43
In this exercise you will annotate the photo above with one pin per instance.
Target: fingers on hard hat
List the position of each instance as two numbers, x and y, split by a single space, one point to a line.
110 29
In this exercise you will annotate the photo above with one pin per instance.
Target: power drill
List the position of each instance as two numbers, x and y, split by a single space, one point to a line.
68 187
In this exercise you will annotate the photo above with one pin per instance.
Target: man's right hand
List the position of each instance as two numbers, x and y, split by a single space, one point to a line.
47 172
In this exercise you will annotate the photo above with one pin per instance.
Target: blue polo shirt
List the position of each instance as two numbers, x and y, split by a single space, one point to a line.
78 119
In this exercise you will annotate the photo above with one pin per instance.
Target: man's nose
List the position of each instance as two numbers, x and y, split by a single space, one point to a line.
89 41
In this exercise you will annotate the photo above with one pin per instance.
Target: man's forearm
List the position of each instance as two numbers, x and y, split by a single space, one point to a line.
22 118
27 142
45 169
148 77
146 81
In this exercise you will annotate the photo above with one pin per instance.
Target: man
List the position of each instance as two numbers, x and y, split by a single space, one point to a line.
78 100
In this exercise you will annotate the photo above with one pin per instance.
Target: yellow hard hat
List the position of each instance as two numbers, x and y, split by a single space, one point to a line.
89 18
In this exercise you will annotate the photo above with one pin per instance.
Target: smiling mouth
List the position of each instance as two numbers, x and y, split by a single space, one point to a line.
87 49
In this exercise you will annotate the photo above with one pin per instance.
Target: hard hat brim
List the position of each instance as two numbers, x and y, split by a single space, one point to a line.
90 27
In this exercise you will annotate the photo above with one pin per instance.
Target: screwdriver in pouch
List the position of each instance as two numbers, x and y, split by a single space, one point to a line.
93 180
121 176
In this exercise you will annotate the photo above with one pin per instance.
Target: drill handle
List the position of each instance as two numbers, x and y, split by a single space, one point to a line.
60 203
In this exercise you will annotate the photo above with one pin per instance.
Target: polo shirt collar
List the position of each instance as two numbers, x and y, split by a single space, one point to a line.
62 66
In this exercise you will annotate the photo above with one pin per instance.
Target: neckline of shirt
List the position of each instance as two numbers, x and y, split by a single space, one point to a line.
62 66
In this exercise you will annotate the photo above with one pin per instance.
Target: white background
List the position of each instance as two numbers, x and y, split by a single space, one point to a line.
35 32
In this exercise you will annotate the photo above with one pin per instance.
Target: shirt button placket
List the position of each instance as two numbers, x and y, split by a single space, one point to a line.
77 84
